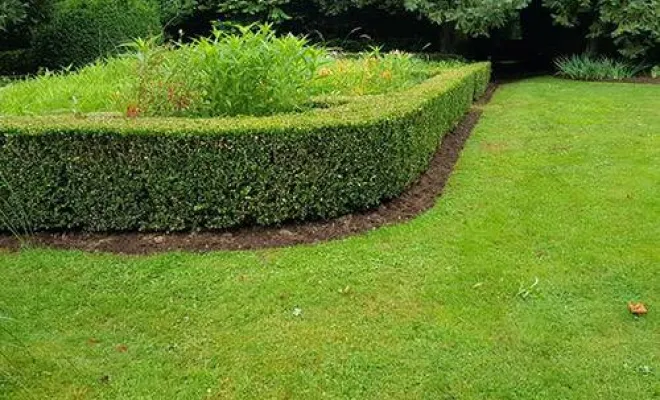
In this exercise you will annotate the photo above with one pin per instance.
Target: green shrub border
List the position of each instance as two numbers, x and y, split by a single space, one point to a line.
81 31
101 173
16 62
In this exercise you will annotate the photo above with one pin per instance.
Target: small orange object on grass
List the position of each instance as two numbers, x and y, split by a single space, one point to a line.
637 308
132 111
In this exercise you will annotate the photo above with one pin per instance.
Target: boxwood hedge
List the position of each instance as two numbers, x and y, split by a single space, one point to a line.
103 173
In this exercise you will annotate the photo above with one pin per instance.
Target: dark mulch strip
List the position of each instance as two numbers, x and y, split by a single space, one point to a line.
420 197
483 100
641 79
647 80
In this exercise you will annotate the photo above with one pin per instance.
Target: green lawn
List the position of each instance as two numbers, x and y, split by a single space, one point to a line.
560 183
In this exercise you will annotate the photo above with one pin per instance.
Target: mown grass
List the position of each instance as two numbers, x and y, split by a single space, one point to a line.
559 185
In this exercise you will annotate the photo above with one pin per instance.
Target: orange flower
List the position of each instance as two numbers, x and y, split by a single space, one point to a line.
132 111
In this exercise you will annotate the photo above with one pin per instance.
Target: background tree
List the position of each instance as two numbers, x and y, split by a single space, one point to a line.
17 14
633 25
12 12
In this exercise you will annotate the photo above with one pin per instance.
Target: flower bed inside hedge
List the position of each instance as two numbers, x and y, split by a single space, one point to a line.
101 173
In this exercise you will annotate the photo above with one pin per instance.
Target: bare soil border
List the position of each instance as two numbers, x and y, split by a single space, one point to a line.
646 80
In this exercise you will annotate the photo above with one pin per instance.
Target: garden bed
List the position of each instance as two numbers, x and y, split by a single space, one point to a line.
99 173
418 198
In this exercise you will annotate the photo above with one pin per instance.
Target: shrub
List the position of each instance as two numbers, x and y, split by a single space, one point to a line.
586 67
655 71
81 31
110 174
16 62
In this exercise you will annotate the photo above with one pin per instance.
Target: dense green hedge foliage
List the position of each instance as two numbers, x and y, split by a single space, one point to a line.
16 62
107 174
81 31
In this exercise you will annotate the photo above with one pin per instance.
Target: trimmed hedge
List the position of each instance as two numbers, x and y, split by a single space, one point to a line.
80 31
110 174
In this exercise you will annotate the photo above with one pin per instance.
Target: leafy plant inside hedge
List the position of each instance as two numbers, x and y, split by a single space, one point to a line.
249 70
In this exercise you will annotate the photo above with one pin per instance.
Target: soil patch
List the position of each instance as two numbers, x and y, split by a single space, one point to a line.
420 197
647 80
641 79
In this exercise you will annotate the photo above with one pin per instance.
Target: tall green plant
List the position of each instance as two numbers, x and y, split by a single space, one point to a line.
247 71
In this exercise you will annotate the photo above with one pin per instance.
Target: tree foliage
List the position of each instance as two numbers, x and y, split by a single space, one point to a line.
472 17
14 13
633 25
11 12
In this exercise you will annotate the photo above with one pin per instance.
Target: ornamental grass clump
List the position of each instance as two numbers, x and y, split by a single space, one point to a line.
587 67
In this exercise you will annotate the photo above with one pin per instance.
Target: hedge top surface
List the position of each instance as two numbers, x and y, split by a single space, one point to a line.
358 110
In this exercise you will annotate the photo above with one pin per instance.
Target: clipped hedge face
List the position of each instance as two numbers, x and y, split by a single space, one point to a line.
81 31
104 174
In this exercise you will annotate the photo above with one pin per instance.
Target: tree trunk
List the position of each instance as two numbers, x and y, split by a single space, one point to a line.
447 39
